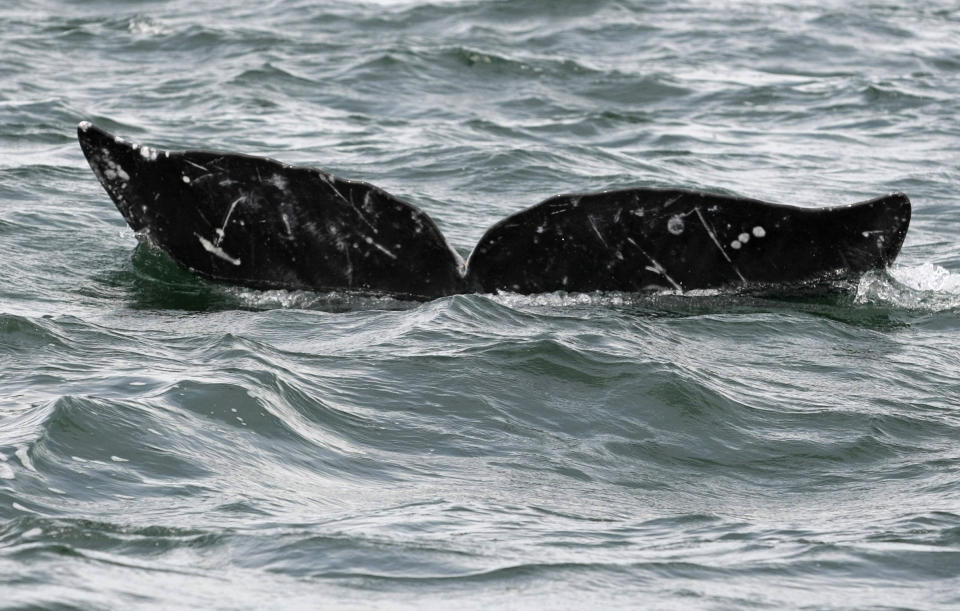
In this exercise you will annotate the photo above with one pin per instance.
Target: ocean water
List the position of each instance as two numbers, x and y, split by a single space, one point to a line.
169 442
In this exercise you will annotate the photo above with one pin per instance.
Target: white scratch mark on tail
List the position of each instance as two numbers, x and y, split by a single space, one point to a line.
223 227
216 250
593 223
713 236
380 247
657 268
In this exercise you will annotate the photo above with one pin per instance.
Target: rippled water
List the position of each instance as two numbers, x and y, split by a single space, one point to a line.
170 442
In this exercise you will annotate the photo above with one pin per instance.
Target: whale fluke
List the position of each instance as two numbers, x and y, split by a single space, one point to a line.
261 223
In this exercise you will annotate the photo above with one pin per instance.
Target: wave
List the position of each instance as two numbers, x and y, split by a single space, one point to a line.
627 393
21 334
168 441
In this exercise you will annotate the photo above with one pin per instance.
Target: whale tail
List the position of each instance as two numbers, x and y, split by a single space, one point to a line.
257 222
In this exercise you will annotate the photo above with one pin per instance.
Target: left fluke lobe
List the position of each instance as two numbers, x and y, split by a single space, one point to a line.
261 223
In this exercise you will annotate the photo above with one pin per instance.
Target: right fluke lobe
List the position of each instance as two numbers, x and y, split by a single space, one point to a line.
641 239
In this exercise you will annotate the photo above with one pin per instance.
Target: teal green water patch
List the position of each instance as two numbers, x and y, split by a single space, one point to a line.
152 280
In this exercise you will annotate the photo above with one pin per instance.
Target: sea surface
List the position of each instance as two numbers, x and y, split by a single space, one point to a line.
167 442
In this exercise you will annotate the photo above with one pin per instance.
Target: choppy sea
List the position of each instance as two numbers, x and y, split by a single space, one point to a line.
170 442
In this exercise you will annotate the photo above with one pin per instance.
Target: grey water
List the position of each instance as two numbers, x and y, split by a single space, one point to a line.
170 442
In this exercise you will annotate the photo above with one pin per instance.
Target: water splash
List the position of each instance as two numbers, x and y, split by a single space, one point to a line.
926 287
333 301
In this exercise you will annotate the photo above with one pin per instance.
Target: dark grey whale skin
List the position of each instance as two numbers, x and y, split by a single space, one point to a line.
637 239
256 222
260 223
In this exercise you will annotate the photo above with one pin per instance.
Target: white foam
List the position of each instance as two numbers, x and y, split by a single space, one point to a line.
563 299
146 27
335 300
925 287
928 277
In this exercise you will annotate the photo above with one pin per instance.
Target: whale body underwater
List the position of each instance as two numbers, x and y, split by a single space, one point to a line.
260 223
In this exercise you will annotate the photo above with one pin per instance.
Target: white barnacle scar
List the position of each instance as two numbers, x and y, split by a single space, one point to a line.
743 238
